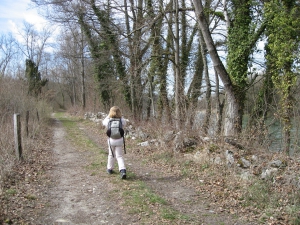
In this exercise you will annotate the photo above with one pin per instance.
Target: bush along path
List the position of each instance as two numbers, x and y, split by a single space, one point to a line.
83 193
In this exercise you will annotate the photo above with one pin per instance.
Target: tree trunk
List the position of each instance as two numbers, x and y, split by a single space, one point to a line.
194 91
74 89
219 107
208 87
232 118
82 73
136 56
178 87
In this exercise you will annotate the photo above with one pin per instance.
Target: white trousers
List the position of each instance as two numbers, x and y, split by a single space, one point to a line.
118 155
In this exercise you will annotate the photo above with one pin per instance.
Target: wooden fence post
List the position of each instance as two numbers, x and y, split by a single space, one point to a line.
26 123
37 115
17 133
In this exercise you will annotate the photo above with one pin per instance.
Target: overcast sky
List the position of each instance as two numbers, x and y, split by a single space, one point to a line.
14 12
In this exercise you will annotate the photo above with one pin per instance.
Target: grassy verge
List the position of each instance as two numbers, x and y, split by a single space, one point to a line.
137 197
141 200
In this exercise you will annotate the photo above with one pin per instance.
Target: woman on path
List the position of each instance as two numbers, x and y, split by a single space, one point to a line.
115 146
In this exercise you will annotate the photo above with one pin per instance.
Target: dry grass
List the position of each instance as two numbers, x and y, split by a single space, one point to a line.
14 99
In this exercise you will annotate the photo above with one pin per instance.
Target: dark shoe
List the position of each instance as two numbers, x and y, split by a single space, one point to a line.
109 171
123 174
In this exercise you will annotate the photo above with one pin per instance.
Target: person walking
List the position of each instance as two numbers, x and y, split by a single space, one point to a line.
115 145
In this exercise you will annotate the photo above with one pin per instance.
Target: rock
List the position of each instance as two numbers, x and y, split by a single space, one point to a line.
101 115
62 222
293 180
256 170
147 143
178 142
245 163
154 142
229 157
189 142
95 120
276 164
268 173
181 142
87 115
245 175
206 139
217 160
254 158
144 144
169 136
189 156
141 134
201 156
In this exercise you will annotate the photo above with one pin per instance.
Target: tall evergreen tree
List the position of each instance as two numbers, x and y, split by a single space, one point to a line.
33 76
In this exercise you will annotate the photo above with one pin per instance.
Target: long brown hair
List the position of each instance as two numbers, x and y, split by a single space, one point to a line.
115 112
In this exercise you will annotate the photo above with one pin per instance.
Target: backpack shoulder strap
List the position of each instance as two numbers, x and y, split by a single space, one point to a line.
109 122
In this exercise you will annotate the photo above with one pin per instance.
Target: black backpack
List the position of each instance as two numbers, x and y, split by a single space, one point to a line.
115 131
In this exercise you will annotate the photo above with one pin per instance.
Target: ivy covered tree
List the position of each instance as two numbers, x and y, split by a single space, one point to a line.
244 31
283 55
102 63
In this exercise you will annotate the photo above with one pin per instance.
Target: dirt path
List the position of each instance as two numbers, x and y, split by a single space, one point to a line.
79 197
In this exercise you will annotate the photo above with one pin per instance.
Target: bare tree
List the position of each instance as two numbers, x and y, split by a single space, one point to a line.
34 43
73 47
8 48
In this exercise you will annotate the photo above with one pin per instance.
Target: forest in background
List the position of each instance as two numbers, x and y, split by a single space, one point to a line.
222 70
193 66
